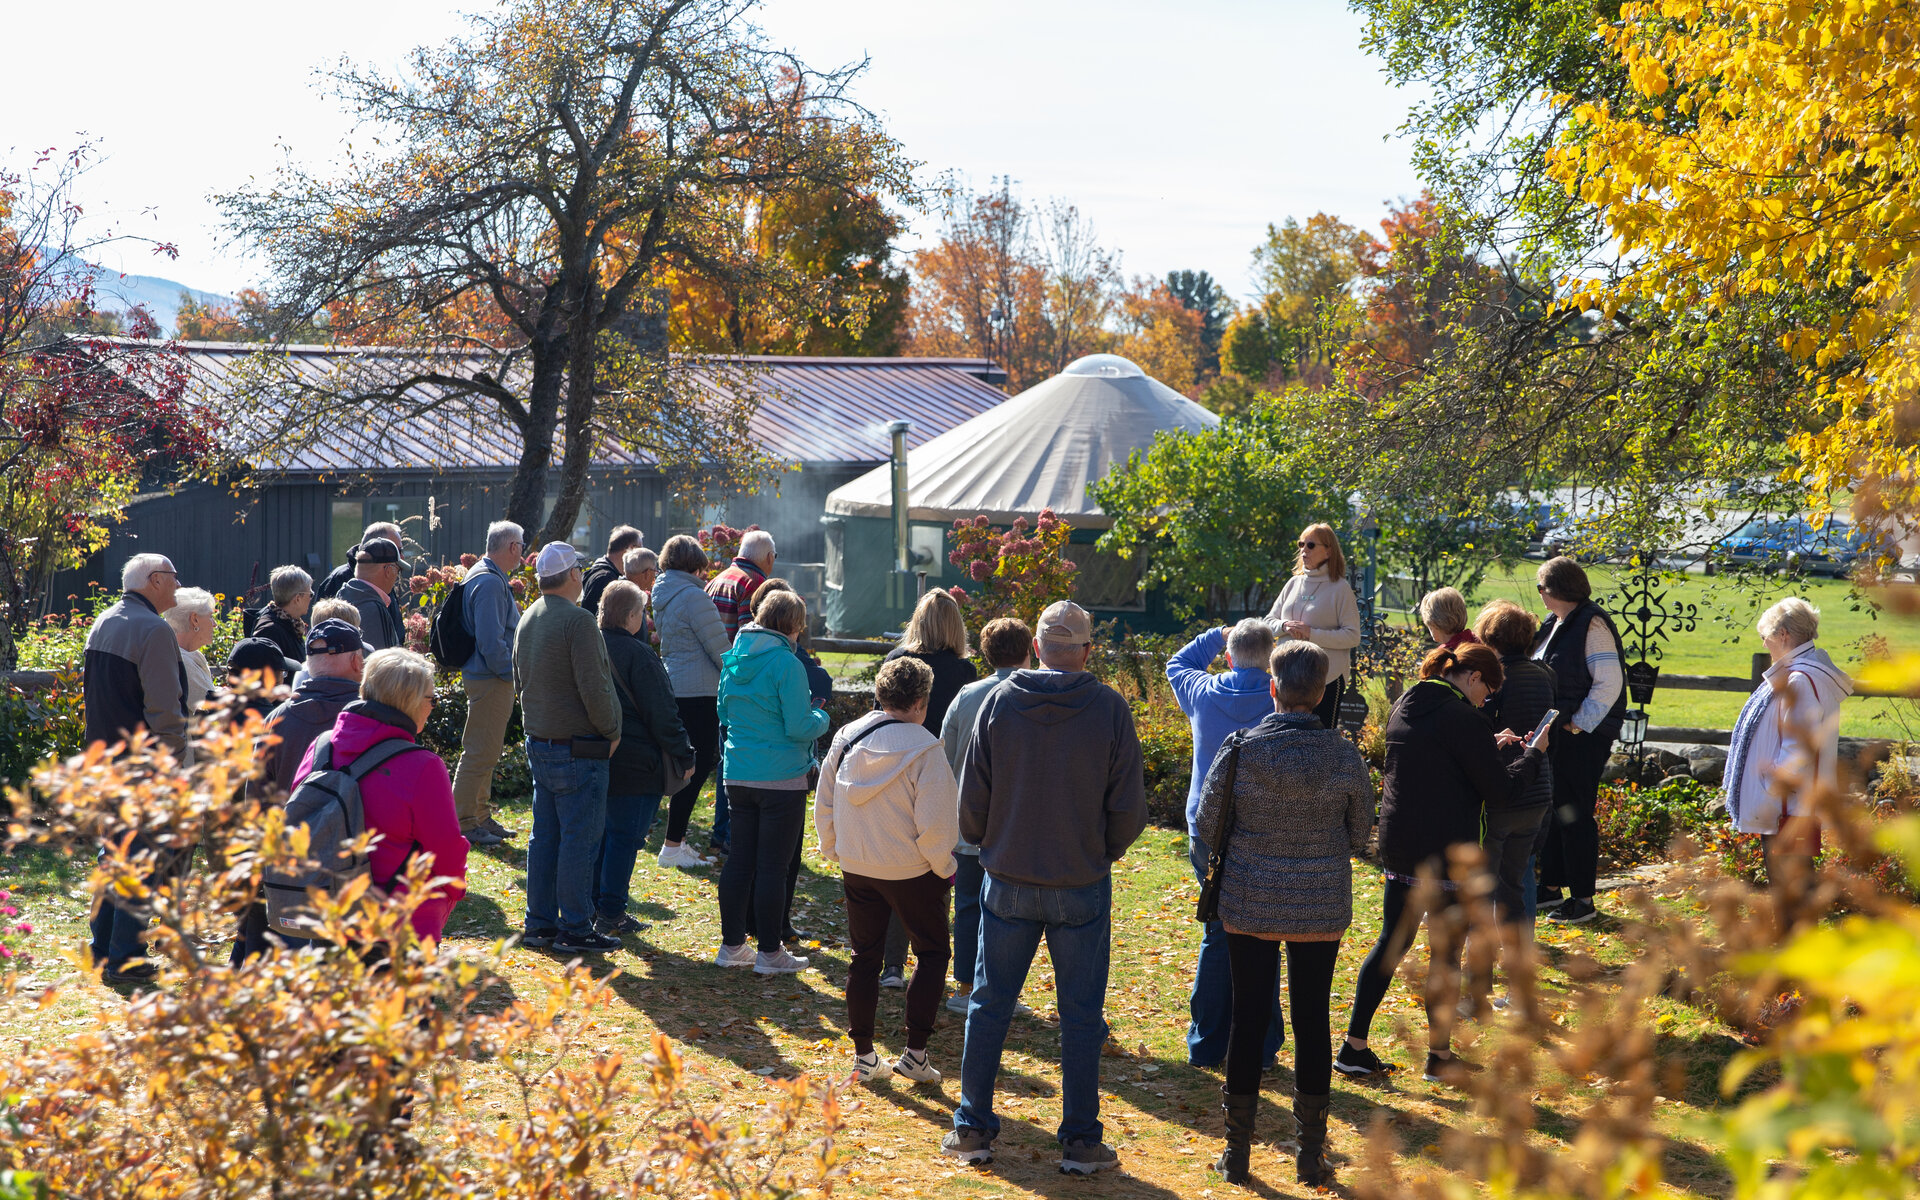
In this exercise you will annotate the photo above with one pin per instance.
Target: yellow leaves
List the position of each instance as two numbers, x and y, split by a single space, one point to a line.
1650 77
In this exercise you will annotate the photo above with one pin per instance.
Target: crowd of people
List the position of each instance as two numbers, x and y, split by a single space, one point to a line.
970 818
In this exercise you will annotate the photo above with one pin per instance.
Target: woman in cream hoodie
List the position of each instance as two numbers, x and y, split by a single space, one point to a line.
887 811
1318 606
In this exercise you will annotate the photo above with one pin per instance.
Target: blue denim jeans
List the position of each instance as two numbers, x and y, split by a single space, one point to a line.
569 813
1078 926
968 879
118 935
629 820
1210 1006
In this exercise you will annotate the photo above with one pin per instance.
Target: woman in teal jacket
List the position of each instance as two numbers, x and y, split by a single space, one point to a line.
771 724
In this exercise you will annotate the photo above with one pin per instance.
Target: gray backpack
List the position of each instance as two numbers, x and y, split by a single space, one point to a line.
328 803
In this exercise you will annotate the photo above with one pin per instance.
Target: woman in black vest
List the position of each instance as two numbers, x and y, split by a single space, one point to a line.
1579 642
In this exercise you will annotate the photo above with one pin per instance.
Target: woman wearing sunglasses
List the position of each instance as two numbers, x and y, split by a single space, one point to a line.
1318 606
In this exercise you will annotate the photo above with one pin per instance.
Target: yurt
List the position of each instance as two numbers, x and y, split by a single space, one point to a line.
1044 448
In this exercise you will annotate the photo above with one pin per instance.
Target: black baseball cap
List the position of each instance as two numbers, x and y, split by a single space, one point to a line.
334 636
377 550
258 654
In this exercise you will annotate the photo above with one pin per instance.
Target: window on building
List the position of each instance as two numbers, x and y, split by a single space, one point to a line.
351 516
1106 581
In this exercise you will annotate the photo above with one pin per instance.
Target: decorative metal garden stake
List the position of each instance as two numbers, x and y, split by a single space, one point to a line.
1645 618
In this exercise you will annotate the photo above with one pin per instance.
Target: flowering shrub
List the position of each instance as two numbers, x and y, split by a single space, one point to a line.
39 724
722 544
331 1072
58 641
1014 572
1638 824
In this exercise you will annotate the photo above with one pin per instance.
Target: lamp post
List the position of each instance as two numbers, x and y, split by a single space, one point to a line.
1370 533
1647 618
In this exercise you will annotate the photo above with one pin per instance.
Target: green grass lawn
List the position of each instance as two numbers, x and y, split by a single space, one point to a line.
1161 1114
1724 642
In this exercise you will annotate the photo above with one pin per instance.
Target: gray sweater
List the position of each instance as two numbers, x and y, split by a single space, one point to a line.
1052 790
693 639
1303 803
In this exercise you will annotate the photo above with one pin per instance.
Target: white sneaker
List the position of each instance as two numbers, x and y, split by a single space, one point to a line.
957 1003
868 1068
779 962
682 855
914 1065
735 956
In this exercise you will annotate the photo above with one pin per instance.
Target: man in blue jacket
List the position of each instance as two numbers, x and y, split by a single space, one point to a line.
488 610
1218 706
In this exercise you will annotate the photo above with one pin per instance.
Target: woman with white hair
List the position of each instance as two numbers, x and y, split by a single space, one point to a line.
283 621
1786 744
193 621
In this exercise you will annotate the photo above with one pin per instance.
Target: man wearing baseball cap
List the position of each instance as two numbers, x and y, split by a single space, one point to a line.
374 590
335 657
1053 793
572 717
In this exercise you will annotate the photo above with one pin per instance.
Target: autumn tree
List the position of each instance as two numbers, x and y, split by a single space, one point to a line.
523 193
1030 288
82 415
1162 336
1294 331
1764 159
1201 293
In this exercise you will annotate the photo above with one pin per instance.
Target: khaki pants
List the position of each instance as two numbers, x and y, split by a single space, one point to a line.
489 707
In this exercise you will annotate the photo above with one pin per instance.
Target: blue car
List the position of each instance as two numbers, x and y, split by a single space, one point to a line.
1777 543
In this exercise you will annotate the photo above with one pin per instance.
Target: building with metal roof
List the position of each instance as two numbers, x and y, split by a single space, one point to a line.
441 465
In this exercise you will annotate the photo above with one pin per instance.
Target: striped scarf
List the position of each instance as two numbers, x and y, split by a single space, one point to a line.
1740 745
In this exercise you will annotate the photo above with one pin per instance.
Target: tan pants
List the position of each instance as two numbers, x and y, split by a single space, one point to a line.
489 707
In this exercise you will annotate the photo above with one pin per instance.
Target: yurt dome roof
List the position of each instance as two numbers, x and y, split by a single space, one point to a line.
1044 448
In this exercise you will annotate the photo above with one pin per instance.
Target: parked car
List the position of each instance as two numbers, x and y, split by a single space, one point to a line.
1791 543
1587 539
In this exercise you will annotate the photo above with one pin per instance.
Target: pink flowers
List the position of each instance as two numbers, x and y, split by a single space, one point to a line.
467 560
981 522
417 585
518 587
980 569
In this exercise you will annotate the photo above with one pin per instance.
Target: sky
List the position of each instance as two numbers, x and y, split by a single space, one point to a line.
1180 129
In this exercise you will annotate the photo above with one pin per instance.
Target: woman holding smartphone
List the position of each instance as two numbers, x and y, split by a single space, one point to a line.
1443 769
1318 606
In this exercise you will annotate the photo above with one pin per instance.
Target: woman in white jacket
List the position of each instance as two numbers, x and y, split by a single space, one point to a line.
888 813
1318 606
1786 745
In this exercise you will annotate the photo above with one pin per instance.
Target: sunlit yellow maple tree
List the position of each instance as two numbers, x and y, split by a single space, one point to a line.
1769 150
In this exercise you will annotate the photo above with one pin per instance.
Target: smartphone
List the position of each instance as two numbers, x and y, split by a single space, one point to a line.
1546 723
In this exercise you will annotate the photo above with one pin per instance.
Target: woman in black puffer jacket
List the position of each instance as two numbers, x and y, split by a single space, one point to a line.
1525 696
1443 768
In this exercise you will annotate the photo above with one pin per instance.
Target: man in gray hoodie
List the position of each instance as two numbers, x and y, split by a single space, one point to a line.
1053 793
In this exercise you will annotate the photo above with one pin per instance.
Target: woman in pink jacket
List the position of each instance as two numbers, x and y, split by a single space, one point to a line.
409 798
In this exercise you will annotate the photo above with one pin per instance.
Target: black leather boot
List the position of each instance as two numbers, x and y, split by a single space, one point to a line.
1233 1161
1311 1160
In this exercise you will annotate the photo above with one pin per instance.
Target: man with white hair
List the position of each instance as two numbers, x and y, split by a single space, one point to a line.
1053 793
732 589
132 679
489 613
374 590
131 676
642 569
1219 706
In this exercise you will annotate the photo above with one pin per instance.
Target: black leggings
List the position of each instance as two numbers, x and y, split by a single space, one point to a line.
701 716
1256 968
767 824
1328 710
1400 920
1571 858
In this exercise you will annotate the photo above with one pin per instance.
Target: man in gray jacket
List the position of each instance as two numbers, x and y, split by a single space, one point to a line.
490 614
132 679
1053 793
374 590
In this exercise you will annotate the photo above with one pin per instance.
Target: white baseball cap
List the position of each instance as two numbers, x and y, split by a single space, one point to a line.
556 558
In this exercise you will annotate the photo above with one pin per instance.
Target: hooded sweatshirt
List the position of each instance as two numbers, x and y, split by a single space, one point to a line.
886 808
1052 790
1767 741
768 711
409 803
1217 705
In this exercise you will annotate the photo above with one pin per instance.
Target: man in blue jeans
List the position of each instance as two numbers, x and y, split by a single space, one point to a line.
1053 794
1219 706
572 717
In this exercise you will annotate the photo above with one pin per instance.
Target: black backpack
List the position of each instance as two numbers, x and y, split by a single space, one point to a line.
451 642
328 803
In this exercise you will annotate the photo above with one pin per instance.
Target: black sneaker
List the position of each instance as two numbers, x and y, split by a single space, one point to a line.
585 941
1546 898
134 972
1452 1069
538 939
1084 1158
893 978
1577 911
1359 1063
615 926
969 1145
